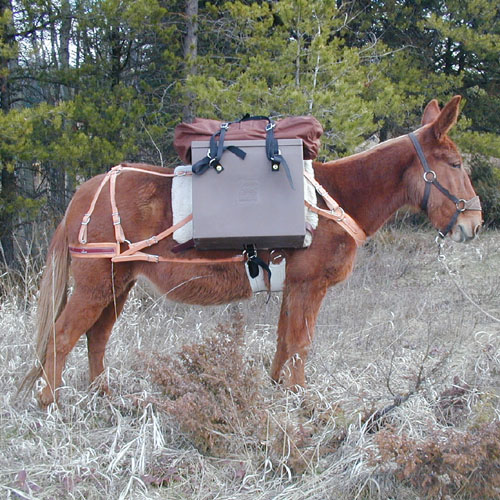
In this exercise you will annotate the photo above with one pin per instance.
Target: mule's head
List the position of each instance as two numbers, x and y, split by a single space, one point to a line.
440 184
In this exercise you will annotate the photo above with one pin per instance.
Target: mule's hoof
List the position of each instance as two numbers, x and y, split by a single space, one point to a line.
296 388
45 398
100 386
286 381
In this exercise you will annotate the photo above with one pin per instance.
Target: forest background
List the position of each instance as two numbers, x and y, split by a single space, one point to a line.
86 84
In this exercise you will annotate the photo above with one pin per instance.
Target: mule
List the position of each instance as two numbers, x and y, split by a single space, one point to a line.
370 186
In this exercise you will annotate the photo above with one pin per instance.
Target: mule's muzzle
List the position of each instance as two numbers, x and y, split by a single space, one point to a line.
460 234
467 227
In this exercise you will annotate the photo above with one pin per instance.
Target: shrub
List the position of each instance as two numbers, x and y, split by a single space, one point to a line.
486 180
211 390
448 462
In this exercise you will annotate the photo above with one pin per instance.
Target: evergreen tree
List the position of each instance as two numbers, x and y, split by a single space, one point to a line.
285 58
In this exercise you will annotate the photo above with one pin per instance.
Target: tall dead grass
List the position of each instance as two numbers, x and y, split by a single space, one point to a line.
405 369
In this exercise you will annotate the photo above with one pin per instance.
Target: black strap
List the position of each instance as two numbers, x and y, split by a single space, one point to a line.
432 180
450 225
254 262
212 159
274 154
247 118
427 169
217 148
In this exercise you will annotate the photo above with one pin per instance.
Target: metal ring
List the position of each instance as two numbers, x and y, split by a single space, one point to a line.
434 176
461 205
340 217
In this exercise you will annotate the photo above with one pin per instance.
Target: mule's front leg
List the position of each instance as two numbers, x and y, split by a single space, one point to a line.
299 310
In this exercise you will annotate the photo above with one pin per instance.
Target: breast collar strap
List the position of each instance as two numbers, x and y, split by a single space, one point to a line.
430 179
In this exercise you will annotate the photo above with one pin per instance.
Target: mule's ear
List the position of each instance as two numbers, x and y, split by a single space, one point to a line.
447 118
431 112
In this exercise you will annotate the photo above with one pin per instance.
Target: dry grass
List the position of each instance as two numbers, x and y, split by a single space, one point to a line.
400 337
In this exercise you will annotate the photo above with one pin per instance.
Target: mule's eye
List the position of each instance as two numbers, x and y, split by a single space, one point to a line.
456 165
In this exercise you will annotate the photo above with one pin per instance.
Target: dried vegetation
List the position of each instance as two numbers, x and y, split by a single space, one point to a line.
402 402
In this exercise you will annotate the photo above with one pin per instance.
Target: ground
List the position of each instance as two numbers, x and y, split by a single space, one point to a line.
409 336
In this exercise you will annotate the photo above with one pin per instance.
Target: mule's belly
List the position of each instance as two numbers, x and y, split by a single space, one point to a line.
199 284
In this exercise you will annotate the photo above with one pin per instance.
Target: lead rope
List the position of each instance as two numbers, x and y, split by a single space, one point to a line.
442 259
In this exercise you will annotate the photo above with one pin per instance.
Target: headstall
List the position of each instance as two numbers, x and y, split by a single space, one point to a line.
430 179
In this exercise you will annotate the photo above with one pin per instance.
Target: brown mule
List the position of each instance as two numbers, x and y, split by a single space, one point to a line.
369 186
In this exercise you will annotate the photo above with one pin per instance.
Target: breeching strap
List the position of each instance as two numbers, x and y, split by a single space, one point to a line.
133 253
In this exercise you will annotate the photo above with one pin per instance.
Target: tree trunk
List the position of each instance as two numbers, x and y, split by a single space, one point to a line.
64 42
190 51
116 54
8 180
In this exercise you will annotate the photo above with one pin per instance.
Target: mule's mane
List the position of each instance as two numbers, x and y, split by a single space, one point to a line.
365 156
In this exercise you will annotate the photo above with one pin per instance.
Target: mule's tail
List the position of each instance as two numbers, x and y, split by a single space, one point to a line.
53 297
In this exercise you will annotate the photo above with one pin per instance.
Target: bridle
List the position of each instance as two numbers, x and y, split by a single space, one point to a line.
430 179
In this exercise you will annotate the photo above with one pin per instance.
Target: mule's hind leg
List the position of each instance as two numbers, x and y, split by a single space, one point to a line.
299 310
80 313
98 336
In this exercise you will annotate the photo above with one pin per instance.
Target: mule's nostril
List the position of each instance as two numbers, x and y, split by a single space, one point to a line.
477 229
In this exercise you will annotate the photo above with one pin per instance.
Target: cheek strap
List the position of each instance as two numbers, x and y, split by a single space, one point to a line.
430 179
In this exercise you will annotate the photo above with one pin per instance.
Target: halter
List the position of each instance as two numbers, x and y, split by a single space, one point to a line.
430 178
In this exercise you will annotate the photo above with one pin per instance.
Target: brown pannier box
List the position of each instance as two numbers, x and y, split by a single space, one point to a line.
248 203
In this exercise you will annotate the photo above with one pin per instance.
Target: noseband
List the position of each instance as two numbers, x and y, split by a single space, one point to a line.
430 179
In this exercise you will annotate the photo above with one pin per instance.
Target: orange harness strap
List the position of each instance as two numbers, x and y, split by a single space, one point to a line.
336 212
111 176
133 253
140 245
147 257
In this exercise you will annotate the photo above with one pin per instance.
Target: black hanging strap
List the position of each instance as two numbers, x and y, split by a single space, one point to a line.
274 154
215 152
254 262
